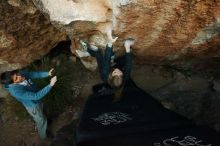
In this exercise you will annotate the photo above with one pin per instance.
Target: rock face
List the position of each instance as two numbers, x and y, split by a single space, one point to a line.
178 32
25 34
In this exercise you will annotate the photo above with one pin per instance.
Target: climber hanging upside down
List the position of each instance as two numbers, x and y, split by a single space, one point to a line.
114 77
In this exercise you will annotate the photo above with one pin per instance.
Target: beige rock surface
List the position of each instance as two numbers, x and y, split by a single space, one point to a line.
165 31
25 34
177 32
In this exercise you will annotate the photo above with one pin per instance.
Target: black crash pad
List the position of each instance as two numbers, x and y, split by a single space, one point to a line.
137 120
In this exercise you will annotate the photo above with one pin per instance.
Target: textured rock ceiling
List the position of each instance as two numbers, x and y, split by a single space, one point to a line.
25 34
174 32
166 31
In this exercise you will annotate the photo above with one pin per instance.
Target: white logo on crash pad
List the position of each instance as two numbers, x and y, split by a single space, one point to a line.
112 118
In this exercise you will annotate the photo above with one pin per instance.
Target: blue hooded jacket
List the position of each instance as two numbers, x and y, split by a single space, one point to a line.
29 95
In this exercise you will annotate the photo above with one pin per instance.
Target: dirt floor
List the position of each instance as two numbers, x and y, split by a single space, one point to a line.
189 95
